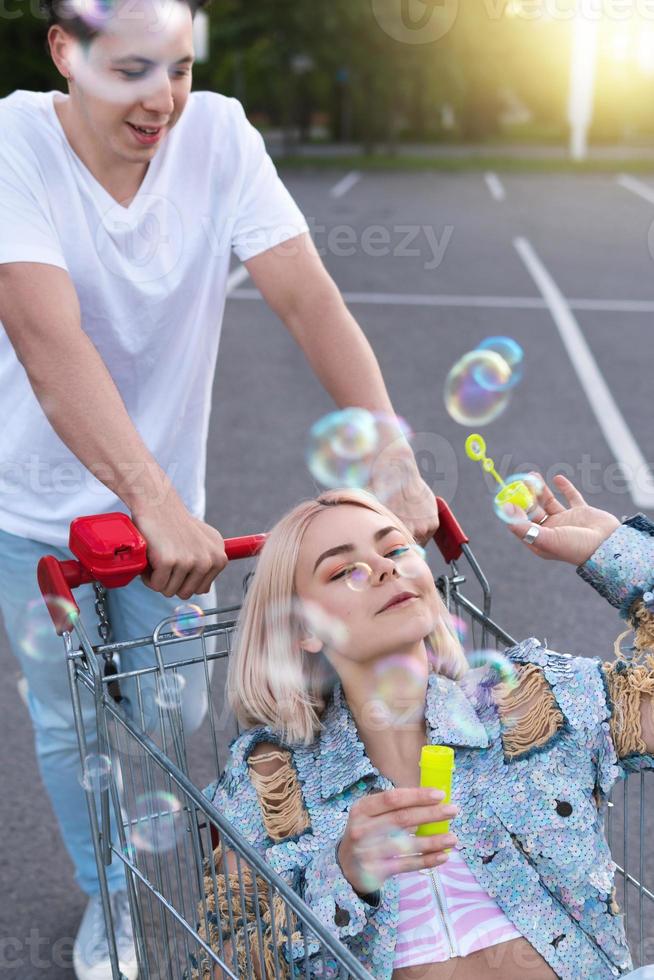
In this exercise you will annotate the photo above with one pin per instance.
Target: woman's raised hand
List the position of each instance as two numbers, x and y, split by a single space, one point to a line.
376 844
567 533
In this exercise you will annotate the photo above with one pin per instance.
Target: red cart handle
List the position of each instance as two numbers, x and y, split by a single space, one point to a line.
450 536
112 551
109 549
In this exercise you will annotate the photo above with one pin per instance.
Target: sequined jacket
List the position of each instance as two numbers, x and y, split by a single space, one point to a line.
531 816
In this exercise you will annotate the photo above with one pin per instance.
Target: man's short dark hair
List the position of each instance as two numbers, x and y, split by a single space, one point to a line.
63 12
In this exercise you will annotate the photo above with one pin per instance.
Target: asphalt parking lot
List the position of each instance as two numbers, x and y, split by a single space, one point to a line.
430 265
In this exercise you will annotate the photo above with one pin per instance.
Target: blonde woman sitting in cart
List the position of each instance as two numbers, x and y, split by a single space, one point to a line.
325 783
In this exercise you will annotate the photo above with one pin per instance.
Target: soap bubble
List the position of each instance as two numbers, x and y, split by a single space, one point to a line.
158 822
411 564
189 620
358 576
329 629
446 626
39 634
521 490
356 436
497 667
341 447
96 773
344 445
90 69
458 627
93 13
393 475
304 617
511 352
392 427
148 28
398 681
145 714
170 690
287 626
392 468
470 402
378 853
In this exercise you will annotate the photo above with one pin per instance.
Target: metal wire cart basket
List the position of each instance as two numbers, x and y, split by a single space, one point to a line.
145 770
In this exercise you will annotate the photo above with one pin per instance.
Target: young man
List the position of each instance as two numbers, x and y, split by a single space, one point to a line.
119 204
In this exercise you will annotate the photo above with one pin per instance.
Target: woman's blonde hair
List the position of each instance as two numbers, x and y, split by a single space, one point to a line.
271 680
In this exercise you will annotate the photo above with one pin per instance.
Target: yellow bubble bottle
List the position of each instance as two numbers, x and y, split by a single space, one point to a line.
436 768
517 493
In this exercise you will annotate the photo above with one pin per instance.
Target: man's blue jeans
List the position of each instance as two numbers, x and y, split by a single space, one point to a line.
134 611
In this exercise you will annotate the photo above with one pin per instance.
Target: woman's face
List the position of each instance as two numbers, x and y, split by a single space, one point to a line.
136 73
362 569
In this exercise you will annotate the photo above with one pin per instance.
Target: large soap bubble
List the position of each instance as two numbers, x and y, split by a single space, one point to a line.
410 561
158 822
38 635
170 691
511 352
96 773
478 387
189 620
344 445
341 447
379 854
134 30
500 668
399 681
467 399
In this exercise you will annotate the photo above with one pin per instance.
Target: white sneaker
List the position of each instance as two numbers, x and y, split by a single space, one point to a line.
91 950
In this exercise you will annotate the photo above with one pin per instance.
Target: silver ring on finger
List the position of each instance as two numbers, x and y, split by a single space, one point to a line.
531 534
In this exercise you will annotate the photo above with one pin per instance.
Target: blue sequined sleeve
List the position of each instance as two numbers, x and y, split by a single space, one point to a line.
312 870
622 568
331 897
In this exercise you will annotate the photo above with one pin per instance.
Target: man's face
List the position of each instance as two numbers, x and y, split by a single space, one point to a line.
134 76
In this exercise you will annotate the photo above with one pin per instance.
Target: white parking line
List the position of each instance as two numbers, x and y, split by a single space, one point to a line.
613 305
495 186
346 184
417 299
636 187
236 277
622 444
477 302
469 302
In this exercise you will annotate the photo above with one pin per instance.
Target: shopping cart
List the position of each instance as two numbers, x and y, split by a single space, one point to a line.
143 774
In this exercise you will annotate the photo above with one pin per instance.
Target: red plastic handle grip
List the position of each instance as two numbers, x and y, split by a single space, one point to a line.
55 582
245 547
450 536
111 551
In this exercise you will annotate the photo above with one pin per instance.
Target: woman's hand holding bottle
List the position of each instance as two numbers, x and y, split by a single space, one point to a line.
563 533
377 842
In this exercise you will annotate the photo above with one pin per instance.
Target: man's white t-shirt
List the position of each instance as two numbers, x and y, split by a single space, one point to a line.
151 281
